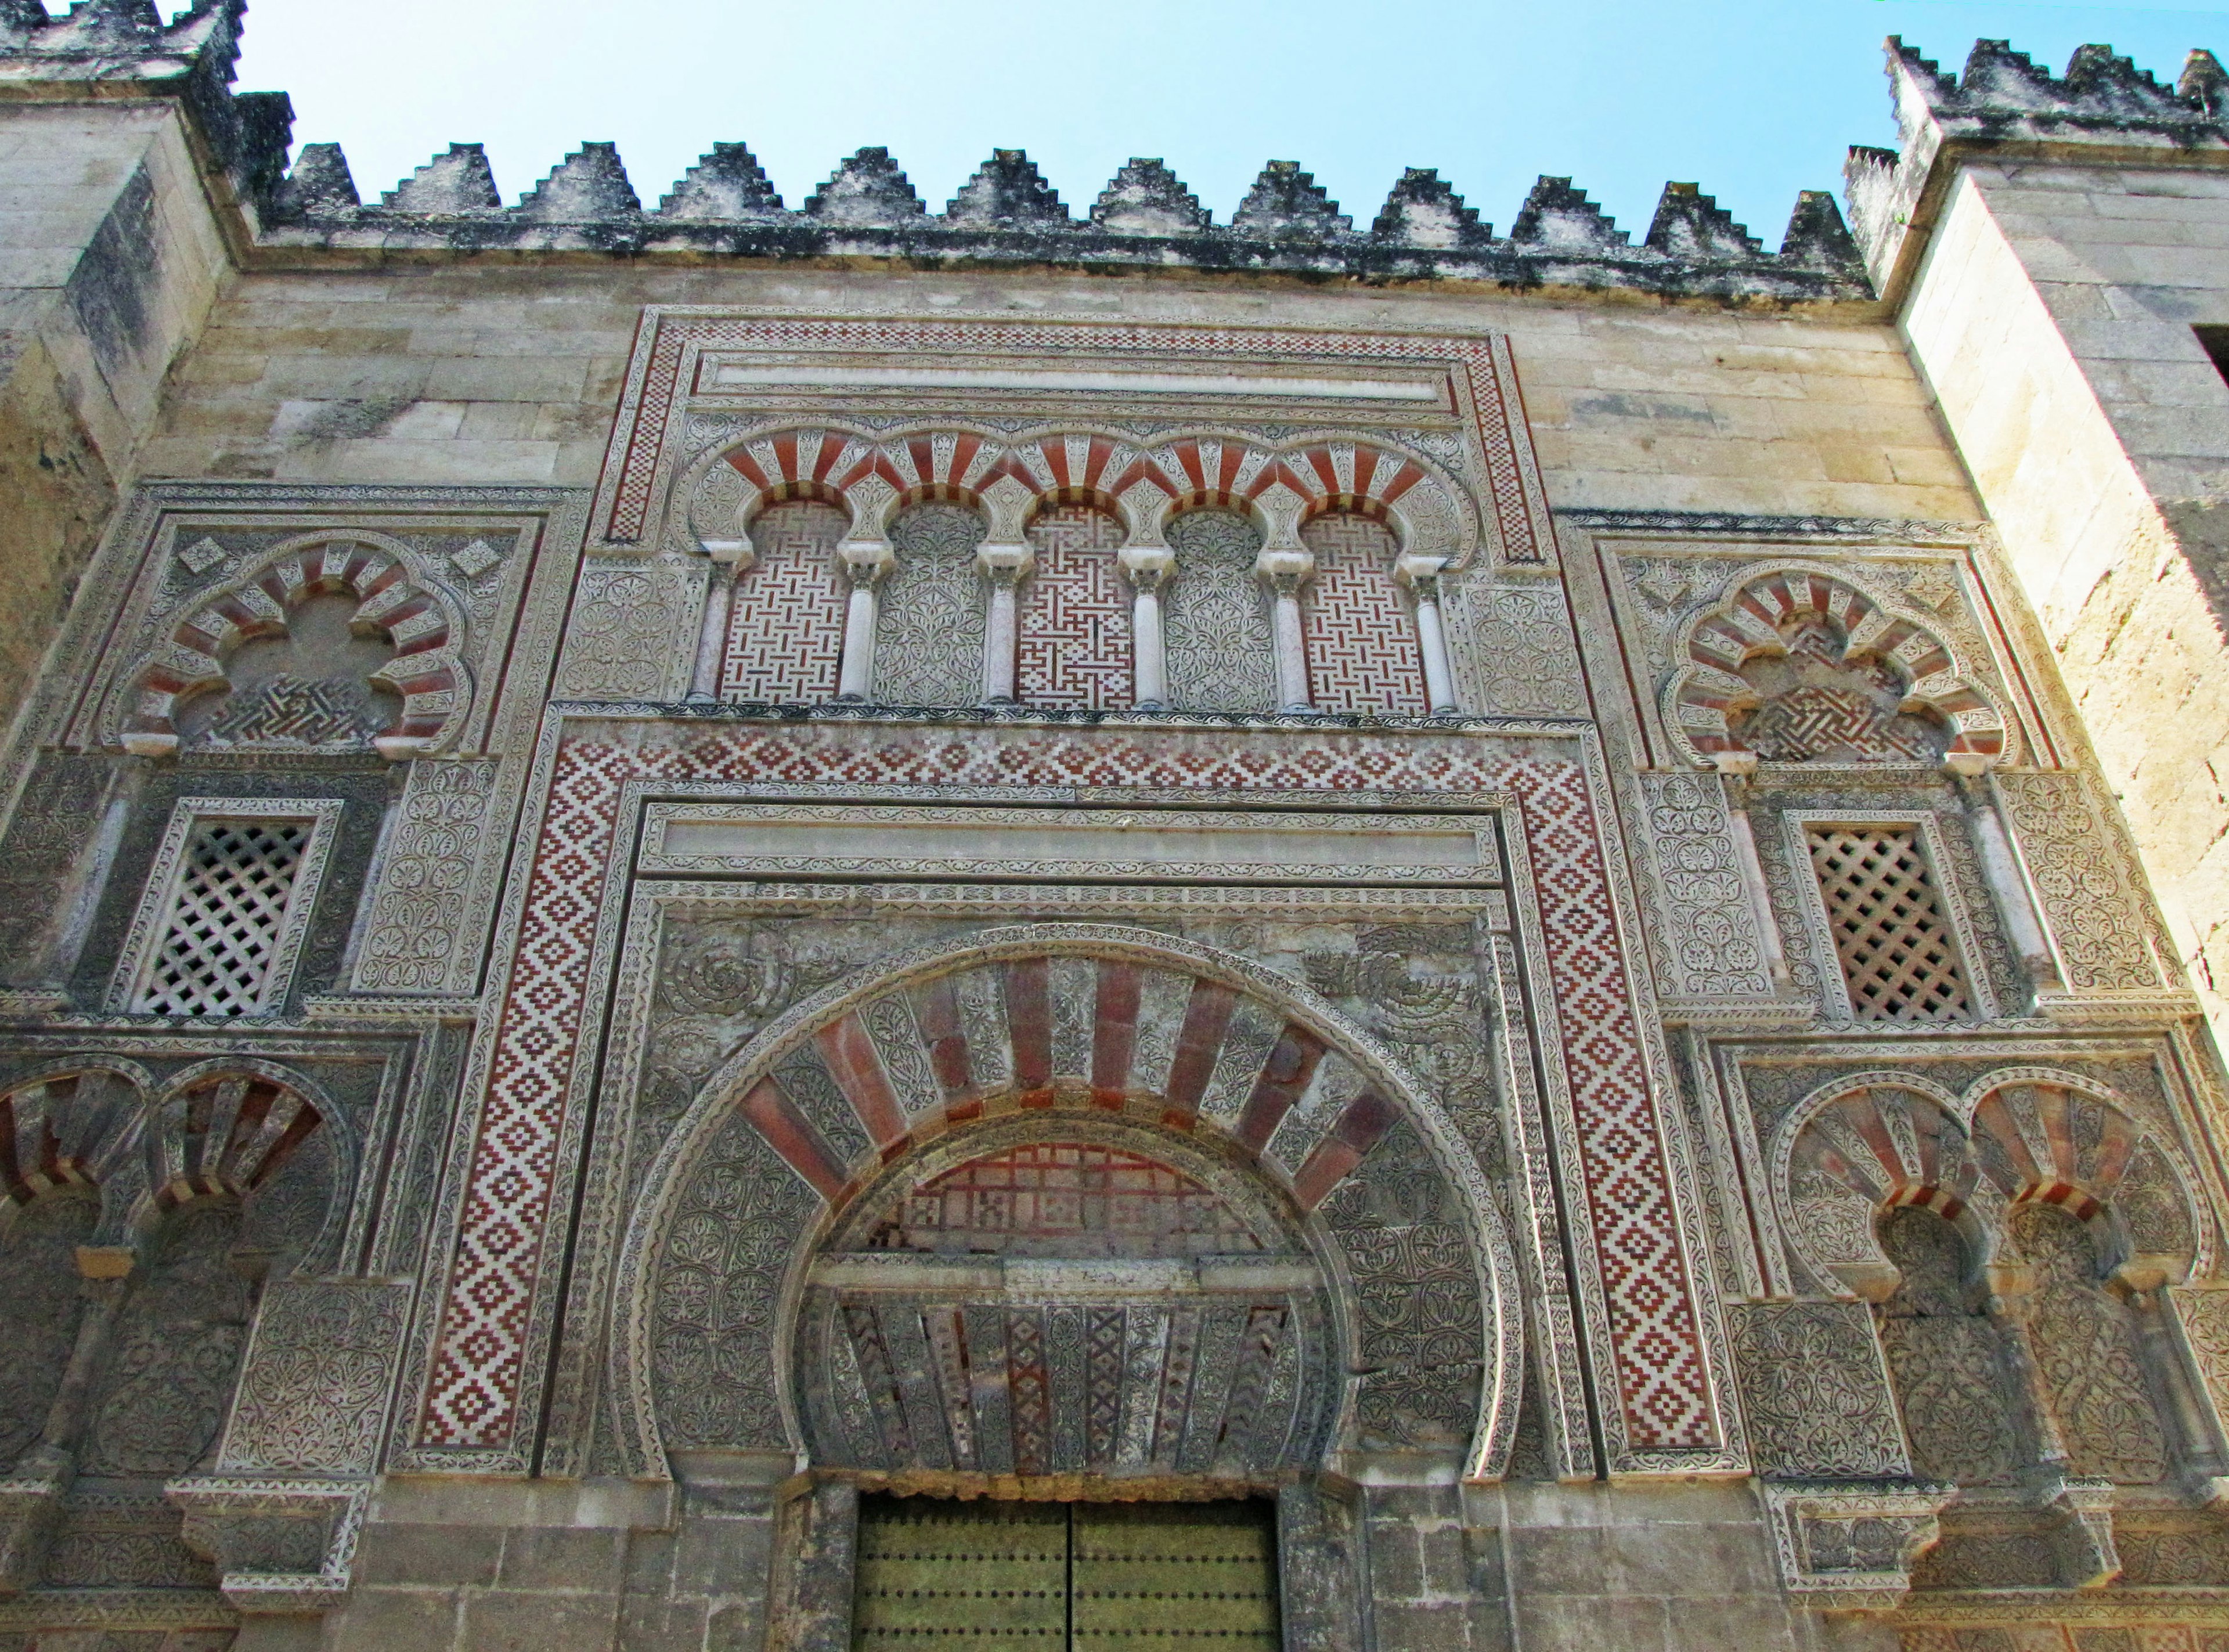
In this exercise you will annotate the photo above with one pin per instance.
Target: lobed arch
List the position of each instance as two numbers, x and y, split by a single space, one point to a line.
917 1075
396 597
871 474
1705 695
1862 1146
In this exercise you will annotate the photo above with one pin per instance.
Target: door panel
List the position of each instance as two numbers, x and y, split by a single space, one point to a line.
990 1576
1173 1575
974 1577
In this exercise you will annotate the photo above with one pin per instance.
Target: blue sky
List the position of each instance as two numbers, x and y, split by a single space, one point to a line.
1751 98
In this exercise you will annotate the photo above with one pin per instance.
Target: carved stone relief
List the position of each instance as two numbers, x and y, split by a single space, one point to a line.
630 634
1416 1298
161 1396
2086 1354
1221 656
2078 865
928 642
716 1293
44 1300
313 1392
1707 946
1814 1392
1947 1359
424 885
54 822
1512 649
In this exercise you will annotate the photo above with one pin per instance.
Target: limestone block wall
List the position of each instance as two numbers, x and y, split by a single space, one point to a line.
2052 314
483 374
109 261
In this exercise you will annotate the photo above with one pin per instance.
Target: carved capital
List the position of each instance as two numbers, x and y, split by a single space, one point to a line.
1421 575
1004 564
278 1546
1147 566
1849 1546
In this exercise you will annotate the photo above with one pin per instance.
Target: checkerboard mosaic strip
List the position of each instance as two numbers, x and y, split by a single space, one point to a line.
474 1398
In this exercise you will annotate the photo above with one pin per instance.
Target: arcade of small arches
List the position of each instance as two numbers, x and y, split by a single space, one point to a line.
1066 1203
2016 1245
948 567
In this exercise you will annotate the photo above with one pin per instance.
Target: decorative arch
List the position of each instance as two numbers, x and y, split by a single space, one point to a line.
1862 1146
261 1135
1045 1031
395 597
1706 697
723 491
70 1126
2057 1138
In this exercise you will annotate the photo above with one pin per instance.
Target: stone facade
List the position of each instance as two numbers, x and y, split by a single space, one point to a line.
678 876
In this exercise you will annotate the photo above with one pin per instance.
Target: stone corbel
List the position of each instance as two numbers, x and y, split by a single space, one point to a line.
1849 1546
1005 557
278 1546
1421 575
1285 564
864 556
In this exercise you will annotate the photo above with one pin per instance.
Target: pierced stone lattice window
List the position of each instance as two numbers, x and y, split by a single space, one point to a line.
1899 958
222 920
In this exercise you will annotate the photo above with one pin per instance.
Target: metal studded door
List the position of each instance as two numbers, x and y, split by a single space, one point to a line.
988 1576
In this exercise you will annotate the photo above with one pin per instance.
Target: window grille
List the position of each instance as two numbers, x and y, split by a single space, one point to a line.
226 908
1899 956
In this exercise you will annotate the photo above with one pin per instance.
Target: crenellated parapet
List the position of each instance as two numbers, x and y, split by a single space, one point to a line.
1005 215
2004 104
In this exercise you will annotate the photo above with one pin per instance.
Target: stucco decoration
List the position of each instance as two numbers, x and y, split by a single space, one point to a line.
1303 1128
1799 663
397 600
1875 1142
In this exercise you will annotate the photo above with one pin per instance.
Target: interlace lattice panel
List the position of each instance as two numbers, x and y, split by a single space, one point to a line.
1899 959
1076 613
1363 652
222 933
786 630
